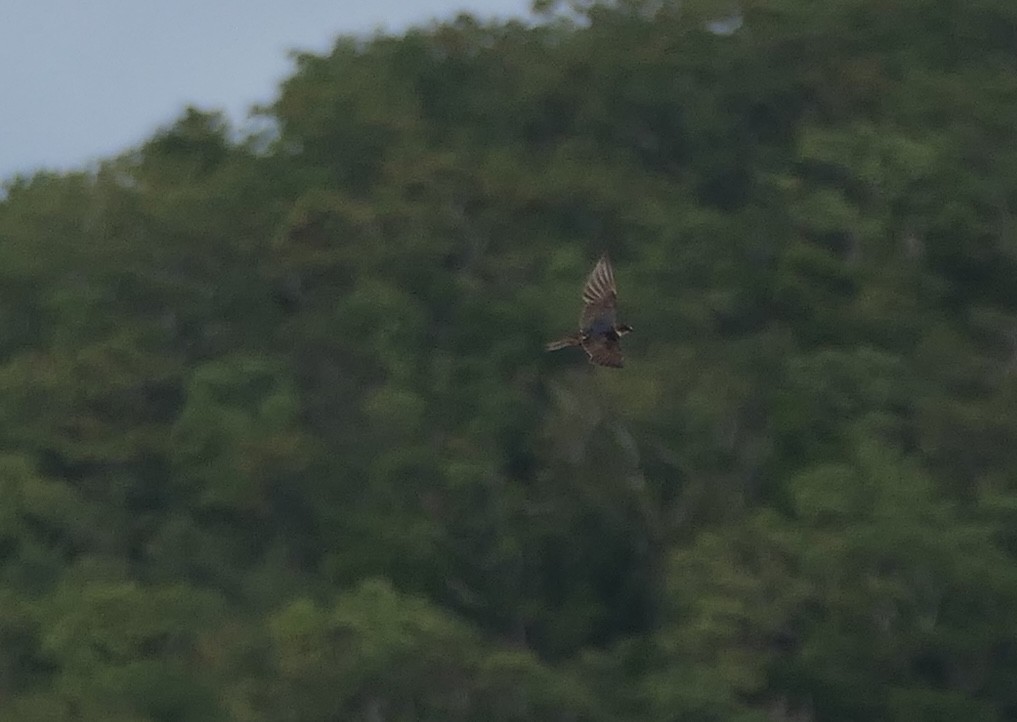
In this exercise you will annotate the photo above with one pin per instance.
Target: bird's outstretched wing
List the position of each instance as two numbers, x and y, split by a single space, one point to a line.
599 296
604 350
600 283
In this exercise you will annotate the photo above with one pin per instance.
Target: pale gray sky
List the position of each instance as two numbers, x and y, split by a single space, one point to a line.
85 79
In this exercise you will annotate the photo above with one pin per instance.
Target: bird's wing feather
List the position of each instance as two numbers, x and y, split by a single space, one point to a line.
599 295
604 351
600 283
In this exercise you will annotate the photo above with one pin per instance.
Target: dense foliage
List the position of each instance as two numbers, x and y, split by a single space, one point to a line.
278 439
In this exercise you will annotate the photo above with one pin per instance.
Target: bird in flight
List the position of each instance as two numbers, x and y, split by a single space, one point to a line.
599 329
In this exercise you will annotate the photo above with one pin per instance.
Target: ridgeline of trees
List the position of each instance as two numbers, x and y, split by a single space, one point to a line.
278 440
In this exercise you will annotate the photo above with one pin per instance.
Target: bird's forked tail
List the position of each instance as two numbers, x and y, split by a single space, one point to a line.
563 343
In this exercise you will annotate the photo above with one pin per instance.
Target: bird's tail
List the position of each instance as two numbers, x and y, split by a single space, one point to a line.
563 343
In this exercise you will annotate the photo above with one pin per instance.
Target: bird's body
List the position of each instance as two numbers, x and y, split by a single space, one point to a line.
599 329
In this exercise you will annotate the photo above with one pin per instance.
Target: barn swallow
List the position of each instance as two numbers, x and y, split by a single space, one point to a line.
599 329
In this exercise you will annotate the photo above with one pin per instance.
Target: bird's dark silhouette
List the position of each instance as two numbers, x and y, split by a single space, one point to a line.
599 329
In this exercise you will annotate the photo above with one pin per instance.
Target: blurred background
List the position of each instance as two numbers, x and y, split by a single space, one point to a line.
279 440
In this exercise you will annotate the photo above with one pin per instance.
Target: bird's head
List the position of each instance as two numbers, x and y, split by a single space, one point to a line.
623 329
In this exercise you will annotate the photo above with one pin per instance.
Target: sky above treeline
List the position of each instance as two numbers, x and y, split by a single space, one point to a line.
86 80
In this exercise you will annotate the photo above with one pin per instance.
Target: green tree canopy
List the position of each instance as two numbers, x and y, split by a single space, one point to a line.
279 441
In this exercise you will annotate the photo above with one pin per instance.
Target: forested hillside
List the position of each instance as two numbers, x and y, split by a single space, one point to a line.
279 439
